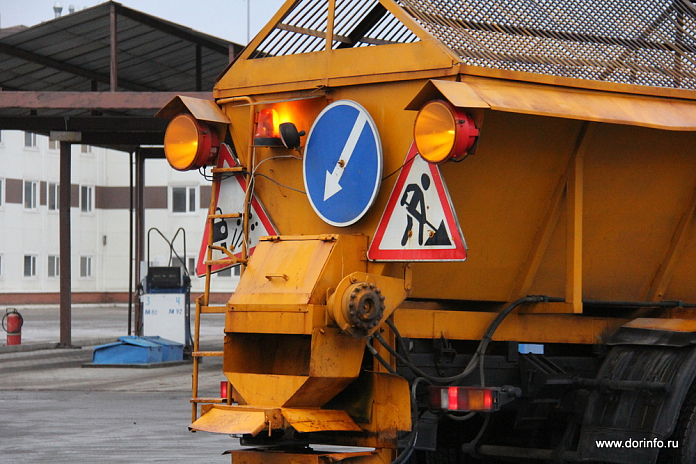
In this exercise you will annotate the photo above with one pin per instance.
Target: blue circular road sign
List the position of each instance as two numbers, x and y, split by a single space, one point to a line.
342 163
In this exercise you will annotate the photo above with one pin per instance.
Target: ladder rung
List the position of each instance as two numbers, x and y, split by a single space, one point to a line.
214 309
208 400
221 261
234 169
224 216
207 353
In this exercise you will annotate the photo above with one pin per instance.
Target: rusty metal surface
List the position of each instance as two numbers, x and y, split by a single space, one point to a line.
545 100
672 325
232 422
316 420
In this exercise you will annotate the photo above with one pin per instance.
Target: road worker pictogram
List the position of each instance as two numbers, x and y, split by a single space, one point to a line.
419 222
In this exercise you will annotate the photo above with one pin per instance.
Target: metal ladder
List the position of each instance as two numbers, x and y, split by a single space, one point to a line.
203 302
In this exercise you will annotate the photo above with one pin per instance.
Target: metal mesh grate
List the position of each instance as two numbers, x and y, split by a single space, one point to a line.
649 42
357 23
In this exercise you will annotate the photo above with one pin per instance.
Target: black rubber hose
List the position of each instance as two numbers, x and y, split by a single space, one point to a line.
483 344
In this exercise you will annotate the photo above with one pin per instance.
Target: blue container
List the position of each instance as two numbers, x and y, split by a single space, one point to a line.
138 350
171 351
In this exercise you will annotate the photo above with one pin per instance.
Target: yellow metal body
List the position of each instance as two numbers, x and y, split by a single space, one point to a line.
577 190
286 358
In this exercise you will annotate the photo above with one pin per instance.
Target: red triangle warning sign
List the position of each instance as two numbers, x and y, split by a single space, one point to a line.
419 222
228 232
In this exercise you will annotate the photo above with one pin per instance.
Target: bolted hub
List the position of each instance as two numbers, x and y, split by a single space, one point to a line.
364 306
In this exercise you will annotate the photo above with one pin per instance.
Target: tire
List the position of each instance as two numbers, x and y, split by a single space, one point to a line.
684 434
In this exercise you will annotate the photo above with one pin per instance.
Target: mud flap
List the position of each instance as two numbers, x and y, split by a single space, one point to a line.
635 402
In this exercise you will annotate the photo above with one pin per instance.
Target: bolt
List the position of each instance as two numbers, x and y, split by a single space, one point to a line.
352 295
364 285
353 279
351 304
377 290
382 298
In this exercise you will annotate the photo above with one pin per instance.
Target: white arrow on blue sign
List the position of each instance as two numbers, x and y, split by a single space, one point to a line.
342 164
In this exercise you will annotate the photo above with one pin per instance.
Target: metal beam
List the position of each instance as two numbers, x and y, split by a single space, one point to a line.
367 23
84 124
92 100
122 138
65 67
574 219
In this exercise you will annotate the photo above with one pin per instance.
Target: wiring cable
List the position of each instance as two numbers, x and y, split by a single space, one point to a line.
476 360
397 169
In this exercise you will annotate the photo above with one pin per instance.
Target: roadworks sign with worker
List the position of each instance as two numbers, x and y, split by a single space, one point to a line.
419 222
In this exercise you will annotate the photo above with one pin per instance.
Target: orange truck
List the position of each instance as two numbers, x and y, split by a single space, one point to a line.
465 232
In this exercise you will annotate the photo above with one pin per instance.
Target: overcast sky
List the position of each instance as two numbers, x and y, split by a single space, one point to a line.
226 19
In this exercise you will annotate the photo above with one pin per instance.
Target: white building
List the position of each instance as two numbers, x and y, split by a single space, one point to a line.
100 224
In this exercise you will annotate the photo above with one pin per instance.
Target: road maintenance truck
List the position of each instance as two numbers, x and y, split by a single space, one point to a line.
465 231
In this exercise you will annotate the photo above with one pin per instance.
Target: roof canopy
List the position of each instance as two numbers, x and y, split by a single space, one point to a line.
104 71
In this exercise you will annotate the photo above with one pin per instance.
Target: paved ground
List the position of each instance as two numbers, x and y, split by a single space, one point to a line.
53 410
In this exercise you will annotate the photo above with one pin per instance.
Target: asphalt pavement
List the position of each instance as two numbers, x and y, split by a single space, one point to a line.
52 409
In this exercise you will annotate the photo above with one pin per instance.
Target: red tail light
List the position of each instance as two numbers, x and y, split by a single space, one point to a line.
464 399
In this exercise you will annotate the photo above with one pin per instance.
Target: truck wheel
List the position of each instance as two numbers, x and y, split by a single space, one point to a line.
684 434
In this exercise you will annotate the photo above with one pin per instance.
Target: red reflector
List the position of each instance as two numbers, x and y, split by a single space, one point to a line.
464 399
453 395
223 389
488 400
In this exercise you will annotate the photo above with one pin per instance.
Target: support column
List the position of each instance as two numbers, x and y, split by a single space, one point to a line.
65 249
574 217
113 42
139 232
131 241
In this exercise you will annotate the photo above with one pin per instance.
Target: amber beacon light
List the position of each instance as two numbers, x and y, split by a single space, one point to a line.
189 143
443 132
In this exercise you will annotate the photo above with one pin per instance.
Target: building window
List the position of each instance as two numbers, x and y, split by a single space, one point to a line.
53 266
183 199
85 266
30 194
190 264
29 140
53 196
86 193
53 145
29 265
87 149
230 271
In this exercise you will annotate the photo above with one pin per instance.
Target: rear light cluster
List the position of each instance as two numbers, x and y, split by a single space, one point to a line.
464 399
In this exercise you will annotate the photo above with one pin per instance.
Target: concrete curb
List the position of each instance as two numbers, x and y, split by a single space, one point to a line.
38 346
